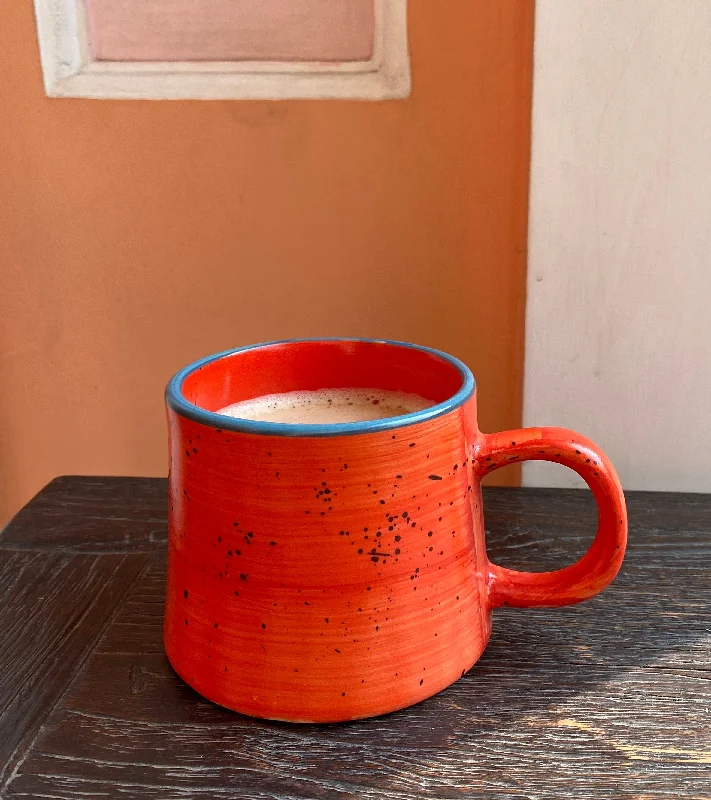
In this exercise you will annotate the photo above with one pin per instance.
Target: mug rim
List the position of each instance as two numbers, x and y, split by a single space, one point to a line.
175 399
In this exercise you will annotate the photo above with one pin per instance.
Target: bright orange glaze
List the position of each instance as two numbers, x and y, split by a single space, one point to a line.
325 579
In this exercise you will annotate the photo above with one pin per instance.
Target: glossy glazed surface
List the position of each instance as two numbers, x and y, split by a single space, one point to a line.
217 381
324 579
330 577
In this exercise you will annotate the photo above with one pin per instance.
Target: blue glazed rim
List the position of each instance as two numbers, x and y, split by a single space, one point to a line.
176 401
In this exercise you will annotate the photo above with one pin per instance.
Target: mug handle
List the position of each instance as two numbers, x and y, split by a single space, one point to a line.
597 568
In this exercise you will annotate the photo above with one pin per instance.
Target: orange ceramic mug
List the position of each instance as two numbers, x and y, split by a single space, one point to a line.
331 572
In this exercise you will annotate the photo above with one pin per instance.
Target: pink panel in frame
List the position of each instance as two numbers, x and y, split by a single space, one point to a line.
231 30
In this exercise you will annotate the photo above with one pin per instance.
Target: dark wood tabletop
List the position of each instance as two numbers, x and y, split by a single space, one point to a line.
607 699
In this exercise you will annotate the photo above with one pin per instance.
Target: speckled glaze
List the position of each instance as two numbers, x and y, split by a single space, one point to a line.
332 573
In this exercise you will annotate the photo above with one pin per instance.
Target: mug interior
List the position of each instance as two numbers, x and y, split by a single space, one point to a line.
306 365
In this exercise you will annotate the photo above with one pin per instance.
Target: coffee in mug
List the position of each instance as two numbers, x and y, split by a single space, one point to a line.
327 405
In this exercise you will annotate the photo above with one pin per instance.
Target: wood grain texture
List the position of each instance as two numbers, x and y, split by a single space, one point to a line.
54 605
607 699
93 514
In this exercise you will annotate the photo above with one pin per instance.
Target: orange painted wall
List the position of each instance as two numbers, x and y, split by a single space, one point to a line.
137 236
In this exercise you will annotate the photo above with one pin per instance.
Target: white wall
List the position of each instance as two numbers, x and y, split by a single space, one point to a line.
618 342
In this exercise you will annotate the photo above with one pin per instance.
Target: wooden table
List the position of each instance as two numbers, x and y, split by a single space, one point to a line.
611 698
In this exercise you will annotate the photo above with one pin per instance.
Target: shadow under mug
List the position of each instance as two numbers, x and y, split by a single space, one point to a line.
321 573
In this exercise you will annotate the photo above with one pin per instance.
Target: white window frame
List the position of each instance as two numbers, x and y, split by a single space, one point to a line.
70 71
